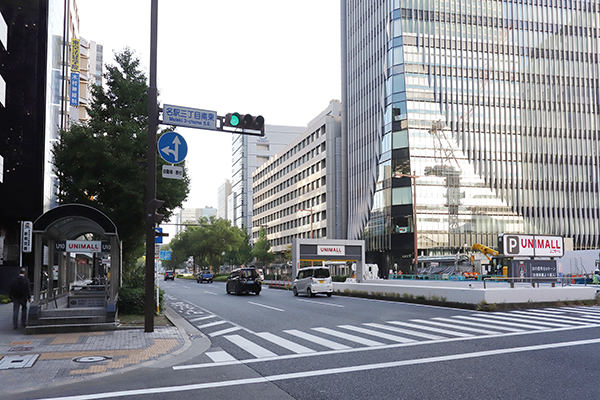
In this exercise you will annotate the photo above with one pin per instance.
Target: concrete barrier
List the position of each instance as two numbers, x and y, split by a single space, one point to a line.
473 292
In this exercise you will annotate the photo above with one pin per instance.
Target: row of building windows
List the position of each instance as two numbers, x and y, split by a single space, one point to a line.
496 22
316 167
289 168
265 169
292 196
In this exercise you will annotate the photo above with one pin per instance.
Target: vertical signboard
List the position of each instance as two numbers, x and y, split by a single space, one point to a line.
75 53
26 236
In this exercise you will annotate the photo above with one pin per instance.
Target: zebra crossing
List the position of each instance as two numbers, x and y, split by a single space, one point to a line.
238 343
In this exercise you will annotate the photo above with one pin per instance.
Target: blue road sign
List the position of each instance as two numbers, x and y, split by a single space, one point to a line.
172 147
158 239
165 254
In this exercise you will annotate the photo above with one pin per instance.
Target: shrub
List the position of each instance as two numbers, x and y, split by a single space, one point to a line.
339 278
132 301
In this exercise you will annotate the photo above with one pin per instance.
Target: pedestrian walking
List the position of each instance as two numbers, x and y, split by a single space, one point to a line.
20 294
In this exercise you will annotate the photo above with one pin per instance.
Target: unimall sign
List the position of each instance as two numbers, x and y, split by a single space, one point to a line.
83 246
324 250
533 246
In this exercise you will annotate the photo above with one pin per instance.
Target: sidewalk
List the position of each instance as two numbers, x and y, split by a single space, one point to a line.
52 359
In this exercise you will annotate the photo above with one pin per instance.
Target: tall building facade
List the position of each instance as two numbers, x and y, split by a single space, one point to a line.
491 106
222 199
34 105
248 153
297 192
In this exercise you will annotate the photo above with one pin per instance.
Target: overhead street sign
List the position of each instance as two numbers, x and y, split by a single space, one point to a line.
172 147
190 117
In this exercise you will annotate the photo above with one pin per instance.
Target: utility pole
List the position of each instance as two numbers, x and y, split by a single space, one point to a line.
151 173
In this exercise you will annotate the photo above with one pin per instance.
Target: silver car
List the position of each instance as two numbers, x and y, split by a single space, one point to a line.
313 280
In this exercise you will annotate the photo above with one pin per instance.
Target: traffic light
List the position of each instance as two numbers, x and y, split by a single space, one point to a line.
247 121
155 204
233 120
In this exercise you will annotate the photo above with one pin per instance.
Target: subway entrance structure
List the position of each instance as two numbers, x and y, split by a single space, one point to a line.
328 250
76 271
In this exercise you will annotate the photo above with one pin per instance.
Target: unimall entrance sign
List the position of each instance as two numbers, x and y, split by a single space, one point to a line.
532 245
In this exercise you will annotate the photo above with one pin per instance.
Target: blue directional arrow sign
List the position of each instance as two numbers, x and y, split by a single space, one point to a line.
172 147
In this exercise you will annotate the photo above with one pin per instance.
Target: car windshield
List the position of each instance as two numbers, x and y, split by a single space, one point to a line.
321 273
249 273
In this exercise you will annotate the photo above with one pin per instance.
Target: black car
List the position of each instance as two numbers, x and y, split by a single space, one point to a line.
169 275
243 280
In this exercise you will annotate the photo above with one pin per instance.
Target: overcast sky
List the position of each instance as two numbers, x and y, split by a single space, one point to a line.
276 58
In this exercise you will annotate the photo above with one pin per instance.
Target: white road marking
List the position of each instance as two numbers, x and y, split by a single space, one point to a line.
262 305
377 334
406 331
351 338
294 347
430 328
456 321
220 356
321 303
329 371
211 324
453 326
213 293
318 340
224 331
250 347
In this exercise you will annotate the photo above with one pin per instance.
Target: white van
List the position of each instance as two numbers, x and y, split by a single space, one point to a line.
313 280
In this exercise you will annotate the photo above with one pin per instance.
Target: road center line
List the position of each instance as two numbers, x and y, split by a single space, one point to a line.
262 305
321 303
330 371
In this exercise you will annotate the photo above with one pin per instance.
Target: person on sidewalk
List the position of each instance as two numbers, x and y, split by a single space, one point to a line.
20 294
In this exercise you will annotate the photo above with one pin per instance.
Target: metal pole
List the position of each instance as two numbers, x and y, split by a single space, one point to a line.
151 172
415 217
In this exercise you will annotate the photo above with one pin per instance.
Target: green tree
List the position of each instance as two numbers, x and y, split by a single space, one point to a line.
241 255
102 163
262 248
207 241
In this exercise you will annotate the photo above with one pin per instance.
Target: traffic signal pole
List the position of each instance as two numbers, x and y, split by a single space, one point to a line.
151 173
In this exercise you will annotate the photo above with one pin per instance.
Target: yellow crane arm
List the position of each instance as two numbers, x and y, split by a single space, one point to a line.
485 250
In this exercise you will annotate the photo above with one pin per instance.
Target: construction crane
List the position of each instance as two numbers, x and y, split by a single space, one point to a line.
485 250
449 169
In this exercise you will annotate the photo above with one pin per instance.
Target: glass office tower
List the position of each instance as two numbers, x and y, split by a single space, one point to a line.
491 106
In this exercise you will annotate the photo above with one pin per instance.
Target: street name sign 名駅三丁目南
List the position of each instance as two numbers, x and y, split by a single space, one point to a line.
172 147
189 117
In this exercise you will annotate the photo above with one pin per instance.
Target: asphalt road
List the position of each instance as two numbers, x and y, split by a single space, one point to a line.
277 346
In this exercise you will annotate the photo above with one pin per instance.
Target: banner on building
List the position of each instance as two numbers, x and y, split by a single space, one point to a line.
74 89
75 52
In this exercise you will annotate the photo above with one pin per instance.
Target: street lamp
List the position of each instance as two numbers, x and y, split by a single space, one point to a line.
414 182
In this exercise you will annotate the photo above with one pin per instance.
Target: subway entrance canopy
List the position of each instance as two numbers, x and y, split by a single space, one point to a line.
328 250
77 270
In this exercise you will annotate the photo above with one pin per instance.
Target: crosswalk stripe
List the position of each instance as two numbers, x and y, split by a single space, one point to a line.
351 338
453 326
570 320
432 329
224 331
406 331
318 340
251 347
591 316
211 324
294 347
523 319
486 318
473 323
379 335
202 318
220 356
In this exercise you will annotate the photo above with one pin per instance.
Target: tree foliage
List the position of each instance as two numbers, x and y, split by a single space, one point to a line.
262 248
207 241
102 163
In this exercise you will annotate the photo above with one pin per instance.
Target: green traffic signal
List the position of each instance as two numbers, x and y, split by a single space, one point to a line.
233 119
